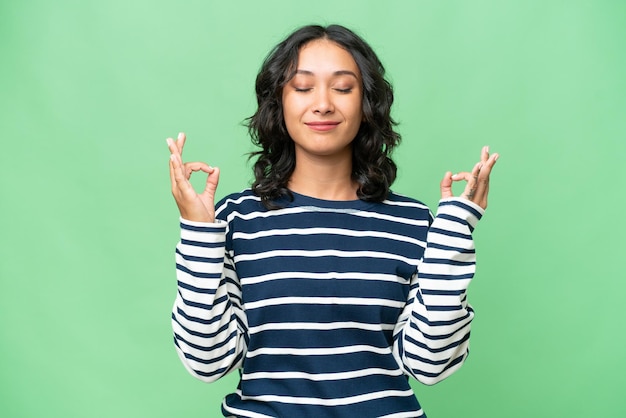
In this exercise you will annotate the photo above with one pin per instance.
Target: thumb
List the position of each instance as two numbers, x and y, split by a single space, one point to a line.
211 181
446 185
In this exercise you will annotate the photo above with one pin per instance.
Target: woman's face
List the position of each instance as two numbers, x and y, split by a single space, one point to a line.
322 103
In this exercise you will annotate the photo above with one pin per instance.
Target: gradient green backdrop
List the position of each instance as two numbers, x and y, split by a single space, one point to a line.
89 90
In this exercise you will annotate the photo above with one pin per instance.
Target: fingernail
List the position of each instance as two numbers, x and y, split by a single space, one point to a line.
169 141
180 135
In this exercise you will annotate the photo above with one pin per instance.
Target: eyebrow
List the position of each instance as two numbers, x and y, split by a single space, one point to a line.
336 73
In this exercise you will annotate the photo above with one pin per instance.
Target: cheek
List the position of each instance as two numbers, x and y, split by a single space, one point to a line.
287 108
362 105
357 110
291 106
290 117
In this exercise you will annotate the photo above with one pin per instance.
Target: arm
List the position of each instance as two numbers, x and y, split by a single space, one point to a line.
432 334
208 321
209 324
431 338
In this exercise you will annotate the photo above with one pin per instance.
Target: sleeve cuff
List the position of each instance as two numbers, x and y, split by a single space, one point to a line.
461 208
192 231
218 223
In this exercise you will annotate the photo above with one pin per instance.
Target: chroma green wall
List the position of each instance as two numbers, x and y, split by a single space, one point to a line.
89 90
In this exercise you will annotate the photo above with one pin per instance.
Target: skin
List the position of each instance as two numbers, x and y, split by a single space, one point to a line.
477 188
322 107
322 111
198 207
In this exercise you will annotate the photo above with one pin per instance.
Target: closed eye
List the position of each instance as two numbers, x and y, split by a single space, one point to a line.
344 91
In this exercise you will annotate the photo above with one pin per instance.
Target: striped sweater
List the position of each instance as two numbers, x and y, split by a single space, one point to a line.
325 307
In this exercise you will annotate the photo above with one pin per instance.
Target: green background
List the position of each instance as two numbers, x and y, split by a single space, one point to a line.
89 90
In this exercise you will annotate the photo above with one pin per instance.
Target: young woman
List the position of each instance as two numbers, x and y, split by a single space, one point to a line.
325 289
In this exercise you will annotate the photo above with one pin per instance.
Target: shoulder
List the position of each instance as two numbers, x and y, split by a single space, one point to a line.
243 202
404 206
399 209
398 199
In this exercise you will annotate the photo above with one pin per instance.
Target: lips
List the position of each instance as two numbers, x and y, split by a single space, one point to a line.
322 126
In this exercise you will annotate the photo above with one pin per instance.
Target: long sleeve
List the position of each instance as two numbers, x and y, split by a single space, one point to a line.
210 329
431 338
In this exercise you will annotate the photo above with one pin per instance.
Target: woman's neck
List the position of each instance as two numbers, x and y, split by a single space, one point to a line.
323 179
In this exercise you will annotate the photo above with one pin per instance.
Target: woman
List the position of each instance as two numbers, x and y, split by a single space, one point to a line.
324 288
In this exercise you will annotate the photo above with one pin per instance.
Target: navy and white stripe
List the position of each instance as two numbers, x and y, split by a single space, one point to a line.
326 307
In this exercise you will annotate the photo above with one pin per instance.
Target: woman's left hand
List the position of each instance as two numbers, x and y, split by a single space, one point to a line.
477 187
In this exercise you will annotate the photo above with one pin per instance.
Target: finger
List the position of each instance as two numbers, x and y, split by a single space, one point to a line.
180 143
172 174
446 185
482 180
484 154
211 183
471 190
172 146
178 171
463 175
472 180
180 184
488 166
189 168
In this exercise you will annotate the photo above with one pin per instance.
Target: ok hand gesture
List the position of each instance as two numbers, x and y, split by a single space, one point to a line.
199 207
477 187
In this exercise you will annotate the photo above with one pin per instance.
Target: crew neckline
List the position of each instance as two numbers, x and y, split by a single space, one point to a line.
304 200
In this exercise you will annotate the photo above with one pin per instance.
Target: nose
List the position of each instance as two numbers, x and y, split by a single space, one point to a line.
322 102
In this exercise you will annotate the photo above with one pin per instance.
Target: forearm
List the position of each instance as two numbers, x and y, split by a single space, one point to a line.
207 319
432 337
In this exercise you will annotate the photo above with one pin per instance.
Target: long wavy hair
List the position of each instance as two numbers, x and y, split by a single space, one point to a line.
372 167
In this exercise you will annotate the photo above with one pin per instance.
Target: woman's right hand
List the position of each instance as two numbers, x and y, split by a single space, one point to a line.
199 207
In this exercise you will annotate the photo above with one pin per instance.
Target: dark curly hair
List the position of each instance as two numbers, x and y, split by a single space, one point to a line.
372 167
